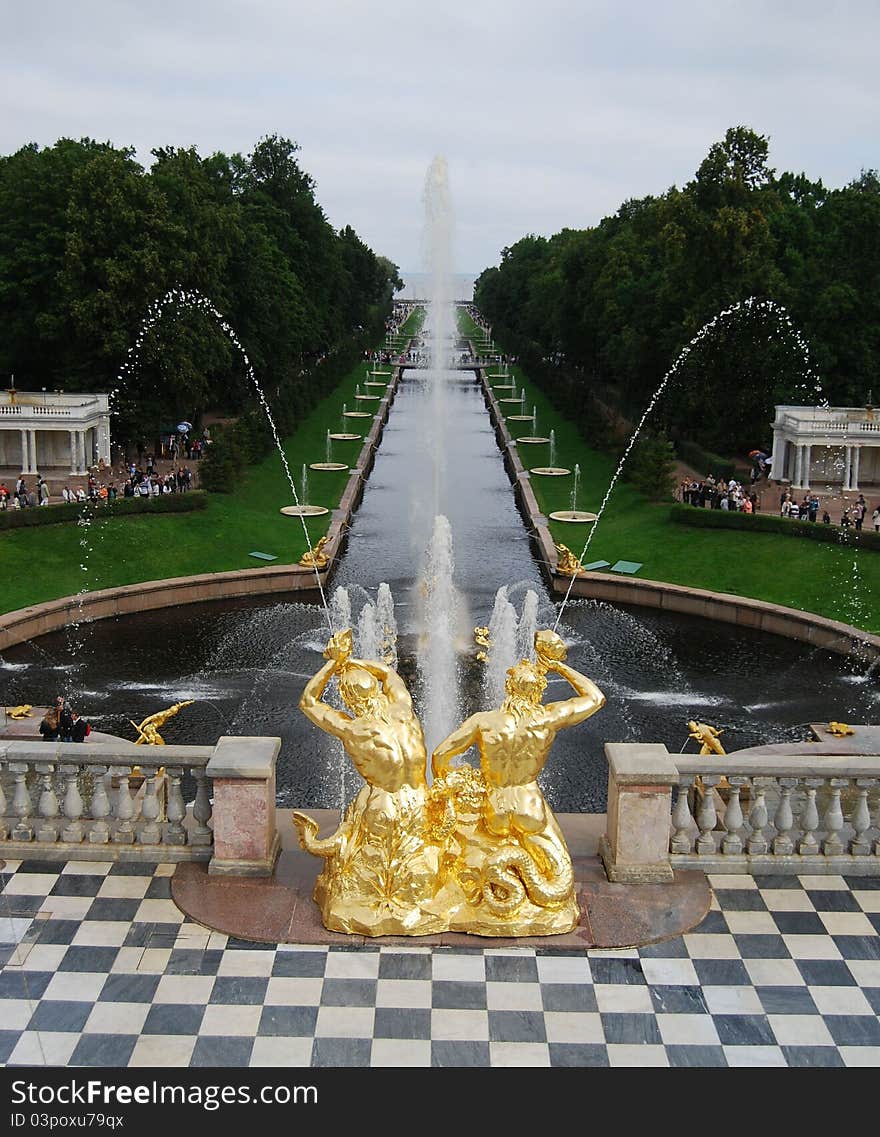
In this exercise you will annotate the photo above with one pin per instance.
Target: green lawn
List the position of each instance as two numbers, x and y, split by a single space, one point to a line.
47 562
839 582
44 563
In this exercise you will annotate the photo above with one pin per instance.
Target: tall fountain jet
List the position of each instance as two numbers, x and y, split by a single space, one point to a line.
440 607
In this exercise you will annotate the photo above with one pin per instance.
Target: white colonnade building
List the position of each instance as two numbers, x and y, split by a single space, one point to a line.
50 430
826 446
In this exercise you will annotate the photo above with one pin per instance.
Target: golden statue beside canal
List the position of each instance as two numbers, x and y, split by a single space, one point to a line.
478 850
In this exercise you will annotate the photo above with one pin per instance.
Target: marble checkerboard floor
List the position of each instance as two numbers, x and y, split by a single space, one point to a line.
101 969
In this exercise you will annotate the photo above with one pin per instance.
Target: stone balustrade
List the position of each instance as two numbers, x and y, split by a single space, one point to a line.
801 809
115 801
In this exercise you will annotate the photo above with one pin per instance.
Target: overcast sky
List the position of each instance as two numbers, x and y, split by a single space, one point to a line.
549 113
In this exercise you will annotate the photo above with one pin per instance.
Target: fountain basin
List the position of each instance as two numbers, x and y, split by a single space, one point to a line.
343 437
358 414
549 471
520 418
573 515
369 398
304 510
531 439
512 402
375 383
328 466
380 372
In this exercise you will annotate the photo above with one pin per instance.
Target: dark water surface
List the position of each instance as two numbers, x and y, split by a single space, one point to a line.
245 662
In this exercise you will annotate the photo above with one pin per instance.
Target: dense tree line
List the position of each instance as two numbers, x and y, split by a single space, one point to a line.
606 312
89 240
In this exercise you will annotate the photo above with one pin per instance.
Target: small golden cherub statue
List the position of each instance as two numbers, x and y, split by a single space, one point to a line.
20 712
839 729
481 638
567 562
707 736
316 557
148 730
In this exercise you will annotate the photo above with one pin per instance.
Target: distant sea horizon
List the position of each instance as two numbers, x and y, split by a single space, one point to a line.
417 284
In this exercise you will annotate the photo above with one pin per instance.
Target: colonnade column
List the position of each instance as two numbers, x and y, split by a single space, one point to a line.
33 447
805 472
854 473
847 470
24 451
72 436
777 457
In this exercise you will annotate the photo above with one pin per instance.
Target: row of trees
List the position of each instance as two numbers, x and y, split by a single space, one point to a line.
608 310
89 239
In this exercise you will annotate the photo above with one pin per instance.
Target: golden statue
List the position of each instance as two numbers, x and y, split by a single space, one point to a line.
148 730
707 736
567 563
381 870
481 638
316 557
21 712
839 729
513 866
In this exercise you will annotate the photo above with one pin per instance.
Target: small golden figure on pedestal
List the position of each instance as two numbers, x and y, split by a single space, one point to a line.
316 557
567 563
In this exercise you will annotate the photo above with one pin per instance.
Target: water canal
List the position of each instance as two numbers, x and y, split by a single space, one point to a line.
244 663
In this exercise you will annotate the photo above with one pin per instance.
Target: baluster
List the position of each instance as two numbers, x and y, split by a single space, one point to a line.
150 833
861 819
682 819
72 809
758 818
707 815
731 842
175 809
810 819
47 803
22 806
99 806
4 831
123 832
201 811
832 822
783 842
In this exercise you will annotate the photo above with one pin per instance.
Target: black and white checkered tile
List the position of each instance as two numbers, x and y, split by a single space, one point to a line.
100 968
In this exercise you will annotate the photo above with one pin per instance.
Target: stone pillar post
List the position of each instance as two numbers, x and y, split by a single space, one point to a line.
24 451
854 473
635 848
847 472
777 458
72 436
807 470
32 446
798 464
246 841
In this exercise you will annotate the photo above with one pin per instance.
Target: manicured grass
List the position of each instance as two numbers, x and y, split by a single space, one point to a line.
48 562
836 581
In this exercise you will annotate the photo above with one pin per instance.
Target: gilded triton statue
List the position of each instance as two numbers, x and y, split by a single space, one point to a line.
23 711
148 730
707 736
513 867
381 868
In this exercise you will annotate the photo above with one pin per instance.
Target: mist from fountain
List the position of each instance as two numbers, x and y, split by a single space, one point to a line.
437 653
387 625
502 647
526 627
367 645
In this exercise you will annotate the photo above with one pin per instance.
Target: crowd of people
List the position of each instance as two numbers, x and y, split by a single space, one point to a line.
718 493
134 481
63 723
730 494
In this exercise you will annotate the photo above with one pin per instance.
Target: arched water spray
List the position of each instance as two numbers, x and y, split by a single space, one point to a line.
748 306
200 303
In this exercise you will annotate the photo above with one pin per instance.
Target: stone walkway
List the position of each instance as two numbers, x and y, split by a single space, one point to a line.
102 968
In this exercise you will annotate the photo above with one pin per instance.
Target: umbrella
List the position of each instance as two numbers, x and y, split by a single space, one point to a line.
184 427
